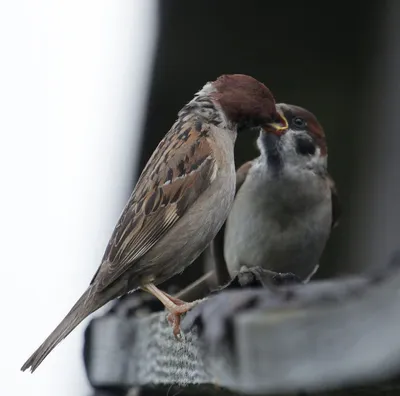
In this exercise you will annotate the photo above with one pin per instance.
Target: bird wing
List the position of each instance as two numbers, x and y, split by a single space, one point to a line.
179 171
216 247
336 207
241 174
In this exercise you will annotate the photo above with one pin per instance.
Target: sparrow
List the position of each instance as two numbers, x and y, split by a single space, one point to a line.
286 203
181 200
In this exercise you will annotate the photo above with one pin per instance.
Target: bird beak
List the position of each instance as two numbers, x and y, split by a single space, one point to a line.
278 126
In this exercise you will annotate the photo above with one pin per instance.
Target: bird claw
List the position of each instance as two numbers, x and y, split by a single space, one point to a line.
175 321
285 279
174 316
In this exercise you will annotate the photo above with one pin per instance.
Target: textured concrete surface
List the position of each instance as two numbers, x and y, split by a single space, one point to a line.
314 337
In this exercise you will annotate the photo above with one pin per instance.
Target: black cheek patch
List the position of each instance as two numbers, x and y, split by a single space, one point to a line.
305 146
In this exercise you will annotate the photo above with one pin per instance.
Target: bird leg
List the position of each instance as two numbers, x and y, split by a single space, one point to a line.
174 305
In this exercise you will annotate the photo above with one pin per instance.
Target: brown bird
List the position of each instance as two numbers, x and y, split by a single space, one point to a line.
286 203
180 201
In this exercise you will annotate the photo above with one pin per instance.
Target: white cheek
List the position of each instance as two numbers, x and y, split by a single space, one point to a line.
319 160
294 160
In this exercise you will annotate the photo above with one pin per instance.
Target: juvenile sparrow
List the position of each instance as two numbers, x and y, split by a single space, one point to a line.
180 201
285 205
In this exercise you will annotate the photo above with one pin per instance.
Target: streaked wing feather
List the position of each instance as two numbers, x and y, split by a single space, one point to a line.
241 174
336 207
179 171
216 247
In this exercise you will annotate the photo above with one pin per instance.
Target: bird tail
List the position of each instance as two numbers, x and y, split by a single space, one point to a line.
89 302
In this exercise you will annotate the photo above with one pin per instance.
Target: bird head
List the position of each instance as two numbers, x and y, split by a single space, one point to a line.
296 140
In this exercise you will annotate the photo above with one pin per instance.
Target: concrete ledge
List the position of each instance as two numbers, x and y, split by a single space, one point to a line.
314 337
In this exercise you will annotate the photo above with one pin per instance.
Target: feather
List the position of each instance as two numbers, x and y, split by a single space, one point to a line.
167 187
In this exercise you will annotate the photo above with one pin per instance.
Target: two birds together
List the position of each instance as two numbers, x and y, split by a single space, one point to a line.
279 208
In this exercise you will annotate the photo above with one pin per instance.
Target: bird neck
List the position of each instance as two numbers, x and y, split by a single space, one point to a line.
203 106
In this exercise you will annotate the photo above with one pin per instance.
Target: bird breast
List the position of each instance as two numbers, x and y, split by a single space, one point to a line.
278 223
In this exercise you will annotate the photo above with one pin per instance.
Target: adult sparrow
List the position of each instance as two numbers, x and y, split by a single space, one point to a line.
286 203
180 201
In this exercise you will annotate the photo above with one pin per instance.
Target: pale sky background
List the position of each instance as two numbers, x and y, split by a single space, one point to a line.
74 78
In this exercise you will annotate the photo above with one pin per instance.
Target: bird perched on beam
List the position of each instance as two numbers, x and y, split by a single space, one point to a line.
180 201
286 203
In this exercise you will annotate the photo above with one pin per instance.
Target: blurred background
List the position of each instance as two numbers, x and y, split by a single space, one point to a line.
87 90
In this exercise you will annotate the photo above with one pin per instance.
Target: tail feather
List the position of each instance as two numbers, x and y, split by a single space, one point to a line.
88 303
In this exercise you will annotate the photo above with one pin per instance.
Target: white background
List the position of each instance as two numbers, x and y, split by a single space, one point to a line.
74 77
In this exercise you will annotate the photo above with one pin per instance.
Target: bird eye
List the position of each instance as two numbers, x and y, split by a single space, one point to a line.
299 122
305 146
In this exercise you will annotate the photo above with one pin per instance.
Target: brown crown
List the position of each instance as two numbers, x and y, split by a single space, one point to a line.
245 100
